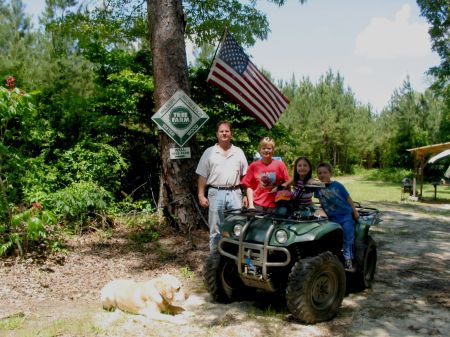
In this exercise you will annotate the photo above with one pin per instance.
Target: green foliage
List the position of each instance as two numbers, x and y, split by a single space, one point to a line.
328 124
141 218
144 234
19 119
12 322
164 254
206 21
96 162
39 180
393 175
19 135
34 229
436 12
411 120
127 89
186 272
130 206
80 202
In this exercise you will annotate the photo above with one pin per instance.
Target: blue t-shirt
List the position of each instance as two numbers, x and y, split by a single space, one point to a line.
334 201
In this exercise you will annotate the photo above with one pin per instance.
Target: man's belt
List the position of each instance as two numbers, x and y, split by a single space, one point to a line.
226 188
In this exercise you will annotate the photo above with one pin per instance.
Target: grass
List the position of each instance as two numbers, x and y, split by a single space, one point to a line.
81 326
186 272
364 190
13 322
164 254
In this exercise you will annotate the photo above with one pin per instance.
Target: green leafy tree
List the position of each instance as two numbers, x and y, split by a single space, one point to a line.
437 13
19 135
412 119
328 123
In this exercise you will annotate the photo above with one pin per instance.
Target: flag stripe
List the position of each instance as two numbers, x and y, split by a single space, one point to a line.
245 96
275 93
269 97
234 73
280 97
244 104
229 87
247 88
255 83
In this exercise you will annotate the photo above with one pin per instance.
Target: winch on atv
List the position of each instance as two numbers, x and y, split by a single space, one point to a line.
298 255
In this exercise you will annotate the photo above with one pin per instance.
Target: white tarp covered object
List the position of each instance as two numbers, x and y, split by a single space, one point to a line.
439 156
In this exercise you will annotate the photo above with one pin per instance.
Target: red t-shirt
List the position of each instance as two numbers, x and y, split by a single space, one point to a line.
262 178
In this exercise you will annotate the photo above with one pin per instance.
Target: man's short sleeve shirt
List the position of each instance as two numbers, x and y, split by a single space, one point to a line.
220 170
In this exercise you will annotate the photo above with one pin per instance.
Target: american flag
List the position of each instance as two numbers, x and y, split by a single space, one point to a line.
233 72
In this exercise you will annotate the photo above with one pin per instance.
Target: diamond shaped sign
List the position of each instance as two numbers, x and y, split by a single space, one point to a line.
180 118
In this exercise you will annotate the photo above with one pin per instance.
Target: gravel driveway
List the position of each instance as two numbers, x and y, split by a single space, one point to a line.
59 296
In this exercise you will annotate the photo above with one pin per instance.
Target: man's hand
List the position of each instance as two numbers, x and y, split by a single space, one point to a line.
203 201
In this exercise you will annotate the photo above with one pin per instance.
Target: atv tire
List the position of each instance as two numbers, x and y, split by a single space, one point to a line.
221 278
316 288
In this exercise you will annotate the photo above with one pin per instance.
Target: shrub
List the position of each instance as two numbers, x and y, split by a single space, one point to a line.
394 175
80 202
34 229
39 180
100 163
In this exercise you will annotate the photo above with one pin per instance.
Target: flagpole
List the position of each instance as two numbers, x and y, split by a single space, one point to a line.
220 43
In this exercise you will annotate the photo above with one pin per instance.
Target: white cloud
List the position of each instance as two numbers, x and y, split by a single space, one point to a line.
390 39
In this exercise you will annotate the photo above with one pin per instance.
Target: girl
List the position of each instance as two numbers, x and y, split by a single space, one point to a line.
302 177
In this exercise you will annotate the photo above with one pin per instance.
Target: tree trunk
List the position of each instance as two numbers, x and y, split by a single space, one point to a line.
178 179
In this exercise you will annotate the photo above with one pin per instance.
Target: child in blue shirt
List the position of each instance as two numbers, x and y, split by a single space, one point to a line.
338 205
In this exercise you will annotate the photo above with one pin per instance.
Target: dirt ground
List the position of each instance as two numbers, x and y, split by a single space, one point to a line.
59 296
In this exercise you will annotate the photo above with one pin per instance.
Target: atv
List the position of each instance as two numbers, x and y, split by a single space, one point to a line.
297 255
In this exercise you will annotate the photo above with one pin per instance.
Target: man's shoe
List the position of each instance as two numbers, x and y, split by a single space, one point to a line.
348 266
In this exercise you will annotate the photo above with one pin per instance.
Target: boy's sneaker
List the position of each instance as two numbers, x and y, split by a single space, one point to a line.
348 266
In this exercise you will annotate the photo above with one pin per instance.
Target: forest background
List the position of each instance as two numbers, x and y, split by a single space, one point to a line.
79 150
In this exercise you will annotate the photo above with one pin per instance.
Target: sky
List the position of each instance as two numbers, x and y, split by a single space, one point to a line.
373 44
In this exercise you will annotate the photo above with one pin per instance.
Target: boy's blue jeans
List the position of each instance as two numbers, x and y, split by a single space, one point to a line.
348 227
220 201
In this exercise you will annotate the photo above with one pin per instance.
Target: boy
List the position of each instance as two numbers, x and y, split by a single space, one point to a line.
339 207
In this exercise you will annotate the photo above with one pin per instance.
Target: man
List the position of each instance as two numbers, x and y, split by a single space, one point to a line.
221 168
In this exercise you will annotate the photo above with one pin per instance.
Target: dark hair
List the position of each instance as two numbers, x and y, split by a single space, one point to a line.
308 175
326 165
223 122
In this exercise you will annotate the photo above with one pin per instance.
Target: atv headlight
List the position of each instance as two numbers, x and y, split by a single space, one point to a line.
237 230
281 236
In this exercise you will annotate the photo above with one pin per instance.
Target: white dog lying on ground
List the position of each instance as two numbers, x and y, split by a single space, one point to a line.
156 299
